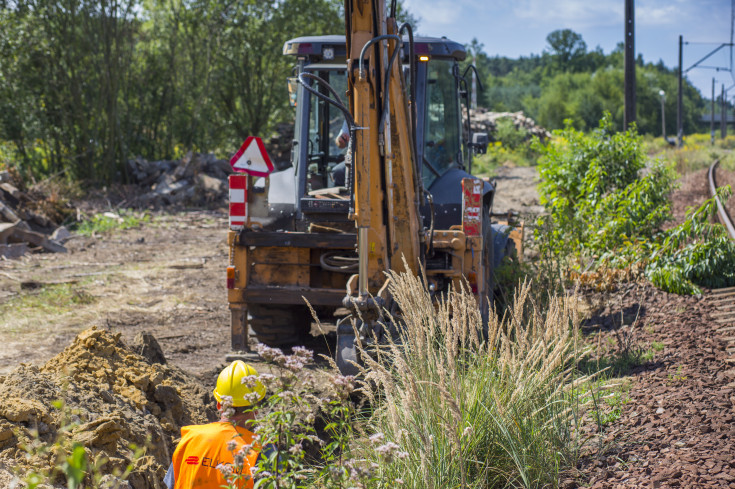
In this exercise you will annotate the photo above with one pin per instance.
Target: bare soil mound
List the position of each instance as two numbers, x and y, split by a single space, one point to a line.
115 397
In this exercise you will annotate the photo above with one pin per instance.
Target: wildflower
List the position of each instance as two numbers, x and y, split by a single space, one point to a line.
467 432
239 458
296 449
225 407
398 481
304 354
270 354
390 451
267 379
250 380
387 448
251 397
293 363
343 385
225 469
231 445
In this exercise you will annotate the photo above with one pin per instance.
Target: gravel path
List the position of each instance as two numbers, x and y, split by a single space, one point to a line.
677 427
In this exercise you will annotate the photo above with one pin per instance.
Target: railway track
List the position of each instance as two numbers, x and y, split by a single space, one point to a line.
723 299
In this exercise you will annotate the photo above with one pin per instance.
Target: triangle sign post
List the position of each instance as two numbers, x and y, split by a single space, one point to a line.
252 158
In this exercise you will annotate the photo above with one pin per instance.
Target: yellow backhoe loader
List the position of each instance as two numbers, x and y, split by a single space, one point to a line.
327 225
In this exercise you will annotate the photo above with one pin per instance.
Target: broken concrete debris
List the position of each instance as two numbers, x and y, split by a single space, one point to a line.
485 121
23 225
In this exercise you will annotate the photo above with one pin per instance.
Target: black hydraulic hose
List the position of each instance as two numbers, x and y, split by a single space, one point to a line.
412 72
393 57
393 5
336 101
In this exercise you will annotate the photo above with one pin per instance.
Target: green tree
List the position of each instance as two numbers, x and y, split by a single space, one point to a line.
566 47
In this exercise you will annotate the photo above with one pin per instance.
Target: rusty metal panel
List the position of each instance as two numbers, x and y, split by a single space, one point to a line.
279 266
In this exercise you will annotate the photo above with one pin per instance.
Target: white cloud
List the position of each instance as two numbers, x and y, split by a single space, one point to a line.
435 12
577 13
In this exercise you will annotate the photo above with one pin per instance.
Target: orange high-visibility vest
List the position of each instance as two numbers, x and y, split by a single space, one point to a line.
203 447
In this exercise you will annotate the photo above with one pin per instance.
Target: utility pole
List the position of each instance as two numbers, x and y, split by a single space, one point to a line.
679 130
723 114
629 87
712 117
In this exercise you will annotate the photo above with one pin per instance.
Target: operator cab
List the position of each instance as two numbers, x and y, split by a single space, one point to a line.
321 194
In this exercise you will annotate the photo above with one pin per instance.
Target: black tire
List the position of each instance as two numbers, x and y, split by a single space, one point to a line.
278 325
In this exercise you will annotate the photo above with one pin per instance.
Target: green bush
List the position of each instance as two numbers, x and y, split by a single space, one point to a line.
598 197
606 207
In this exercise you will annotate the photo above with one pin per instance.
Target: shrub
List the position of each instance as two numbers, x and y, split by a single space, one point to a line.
592 188
694 254
606 207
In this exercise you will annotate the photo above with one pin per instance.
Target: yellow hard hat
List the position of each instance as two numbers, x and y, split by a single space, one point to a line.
229 383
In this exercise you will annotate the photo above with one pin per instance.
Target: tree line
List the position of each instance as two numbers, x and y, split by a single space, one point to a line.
87 84
568 81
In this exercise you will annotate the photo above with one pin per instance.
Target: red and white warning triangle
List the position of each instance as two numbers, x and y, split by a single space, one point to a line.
252 158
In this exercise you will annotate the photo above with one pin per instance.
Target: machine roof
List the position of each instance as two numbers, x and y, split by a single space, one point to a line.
314 46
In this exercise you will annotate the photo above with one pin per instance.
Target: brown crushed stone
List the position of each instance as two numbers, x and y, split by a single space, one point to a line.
117 398
692 192
677 429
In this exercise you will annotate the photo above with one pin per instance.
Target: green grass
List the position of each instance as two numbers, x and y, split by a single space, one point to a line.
498 155
102 223
49 299
608 400
697 152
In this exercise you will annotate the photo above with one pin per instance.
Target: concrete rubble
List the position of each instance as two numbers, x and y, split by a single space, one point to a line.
24 225
484 120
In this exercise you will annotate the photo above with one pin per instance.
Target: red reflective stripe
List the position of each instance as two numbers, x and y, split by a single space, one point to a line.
237 209
238 181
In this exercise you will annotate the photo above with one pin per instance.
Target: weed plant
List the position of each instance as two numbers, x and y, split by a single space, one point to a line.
471 409
104 223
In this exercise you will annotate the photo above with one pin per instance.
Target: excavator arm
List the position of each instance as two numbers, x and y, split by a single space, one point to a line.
386 190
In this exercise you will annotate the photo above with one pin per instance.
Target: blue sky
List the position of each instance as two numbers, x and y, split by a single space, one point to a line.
516 28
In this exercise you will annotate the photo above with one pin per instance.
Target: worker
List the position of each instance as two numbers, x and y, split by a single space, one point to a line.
205 451
343 137
338 171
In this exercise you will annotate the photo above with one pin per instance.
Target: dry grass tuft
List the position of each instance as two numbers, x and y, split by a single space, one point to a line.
476 405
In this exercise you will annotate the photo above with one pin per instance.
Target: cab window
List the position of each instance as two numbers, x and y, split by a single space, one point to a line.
325 123
442 142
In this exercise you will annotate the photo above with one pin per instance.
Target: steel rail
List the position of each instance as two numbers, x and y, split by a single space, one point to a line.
722 213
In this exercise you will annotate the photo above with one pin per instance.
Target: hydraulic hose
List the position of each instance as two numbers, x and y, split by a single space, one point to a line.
386 101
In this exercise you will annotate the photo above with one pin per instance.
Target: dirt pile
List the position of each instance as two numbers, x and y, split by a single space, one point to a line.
115 397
